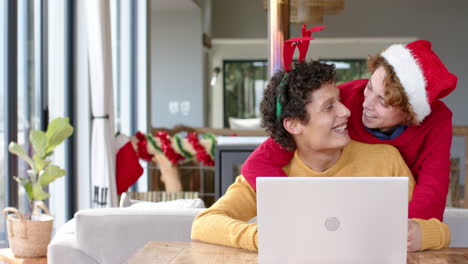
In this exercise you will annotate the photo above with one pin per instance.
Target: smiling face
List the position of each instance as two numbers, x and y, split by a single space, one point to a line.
326 127
376 114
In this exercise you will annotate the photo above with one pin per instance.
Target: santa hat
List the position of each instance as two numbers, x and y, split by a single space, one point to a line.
422 74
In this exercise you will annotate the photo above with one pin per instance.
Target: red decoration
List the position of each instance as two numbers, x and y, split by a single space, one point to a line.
166 147
201 155
142 150
301 42
128 168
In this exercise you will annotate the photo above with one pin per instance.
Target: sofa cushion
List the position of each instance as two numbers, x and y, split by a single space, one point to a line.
245 123
125 201
113 235
62 248
457 220
176 204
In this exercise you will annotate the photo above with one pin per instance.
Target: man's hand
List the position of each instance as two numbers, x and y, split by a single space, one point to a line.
414 236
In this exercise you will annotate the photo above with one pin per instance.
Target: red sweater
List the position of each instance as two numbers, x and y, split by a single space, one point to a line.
425 149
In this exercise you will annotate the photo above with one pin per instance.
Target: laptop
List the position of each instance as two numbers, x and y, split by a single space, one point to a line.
332 220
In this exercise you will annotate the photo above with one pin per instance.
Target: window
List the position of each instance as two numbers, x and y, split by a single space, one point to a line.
59 34
21 78
244 82
29 82
2 119
129 69
348 70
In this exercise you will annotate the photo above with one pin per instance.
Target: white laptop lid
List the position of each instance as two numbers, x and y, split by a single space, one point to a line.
332 219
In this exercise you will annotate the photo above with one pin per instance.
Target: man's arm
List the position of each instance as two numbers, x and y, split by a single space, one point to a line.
430 193
268 159
432 233
225 222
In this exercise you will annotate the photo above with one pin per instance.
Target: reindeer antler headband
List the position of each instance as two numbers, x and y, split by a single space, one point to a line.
289 47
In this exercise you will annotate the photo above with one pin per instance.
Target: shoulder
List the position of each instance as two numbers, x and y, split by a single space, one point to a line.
439 111
372 151
242 184
440 119
375 160
355 85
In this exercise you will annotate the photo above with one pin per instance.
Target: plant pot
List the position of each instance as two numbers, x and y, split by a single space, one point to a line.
29 238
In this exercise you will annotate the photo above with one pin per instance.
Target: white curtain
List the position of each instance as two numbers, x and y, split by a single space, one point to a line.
104 189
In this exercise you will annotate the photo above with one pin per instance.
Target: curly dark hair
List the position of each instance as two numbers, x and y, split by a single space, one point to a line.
305 78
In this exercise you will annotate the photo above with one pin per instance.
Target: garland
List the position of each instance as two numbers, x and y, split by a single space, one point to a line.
201 155
205 156
141 146
211 138
184 153
167 148
153 143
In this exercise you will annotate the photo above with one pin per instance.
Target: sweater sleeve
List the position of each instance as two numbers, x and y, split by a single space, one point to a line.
435 234
267 160
225 222
433 176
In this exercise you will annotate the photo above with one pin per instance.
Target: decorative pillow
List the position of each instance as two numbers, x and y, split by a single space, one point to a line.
125 201
244 124
178 204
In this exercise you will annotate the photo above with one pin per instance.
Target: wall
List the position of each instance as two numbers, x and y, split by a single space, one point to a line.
176 66
239 19
230 50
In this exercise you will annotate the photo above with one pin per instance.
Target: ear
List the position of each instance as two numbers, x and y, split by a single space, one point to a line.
292 125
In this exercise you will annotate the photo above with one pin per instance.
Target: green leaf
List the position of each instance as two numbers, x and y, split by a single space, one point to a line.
40 163
26 183
58 130
50 174
21 181
39 142
38 193
19 151
33 175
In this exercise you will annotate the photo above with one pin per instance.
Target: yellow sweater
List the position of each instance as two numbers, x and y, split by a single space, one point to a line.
225 222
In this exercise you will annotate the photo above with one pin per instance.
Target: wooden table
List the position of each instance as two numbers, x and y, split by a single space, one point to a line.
203 253
191 252
445 256
6 255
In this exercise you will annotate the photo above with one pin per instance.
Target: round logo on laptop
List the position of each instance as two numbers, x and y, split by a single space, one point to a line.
332 223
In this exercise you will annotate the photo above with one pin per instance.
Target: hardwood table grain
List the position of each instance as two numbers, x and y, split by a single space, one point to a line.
445 256
203 253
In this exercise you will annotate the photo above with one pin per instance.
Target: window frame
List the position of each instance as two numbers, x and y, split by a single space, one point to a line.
227 61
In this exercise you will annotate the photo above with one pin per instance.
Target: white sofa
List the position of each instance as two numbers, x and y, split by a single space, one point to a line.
457 220
113 235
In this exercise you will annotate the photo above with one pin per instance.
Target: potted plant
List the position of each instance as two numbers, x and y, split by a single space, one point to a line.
29 234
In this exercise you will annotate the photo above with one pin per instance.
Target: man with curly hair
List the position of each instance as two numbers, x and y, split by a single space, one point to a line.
301 110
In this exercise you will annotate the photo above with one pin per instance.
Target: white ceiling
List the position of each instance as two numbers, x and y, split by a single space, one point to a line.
160 5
